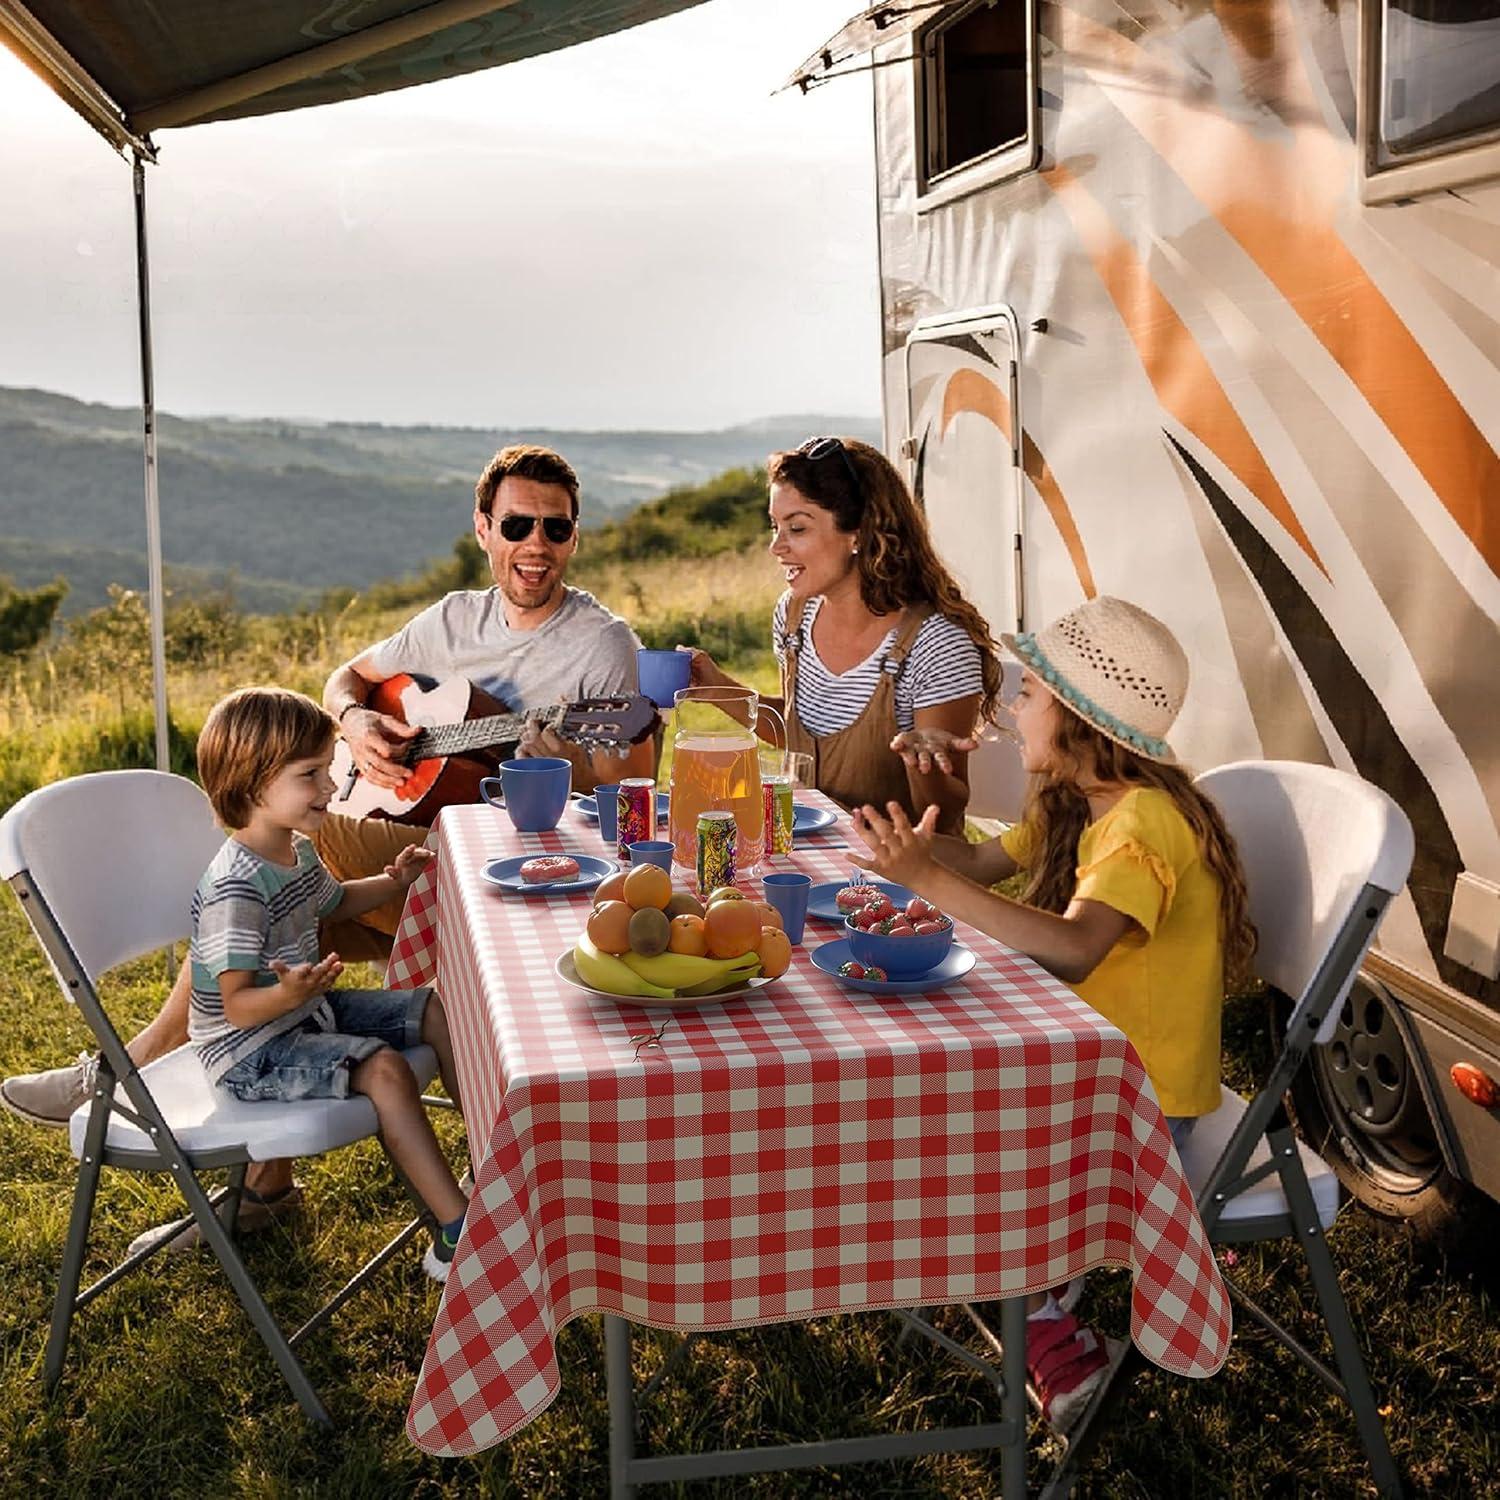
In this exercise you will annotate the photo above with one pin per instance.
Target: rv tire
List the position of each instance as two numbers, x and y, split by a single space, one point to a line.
1358 1102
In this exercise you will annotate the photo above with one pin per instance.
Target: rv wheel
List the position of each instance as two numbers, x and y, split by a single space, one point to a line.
1358 1101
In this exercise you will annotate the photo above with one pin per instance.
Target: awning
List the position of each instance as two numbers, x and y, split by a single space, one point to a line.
130 67
859 35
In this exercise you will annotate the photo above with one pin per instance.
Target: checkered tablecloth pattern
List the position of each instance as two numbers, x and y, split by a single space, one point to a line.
802 1150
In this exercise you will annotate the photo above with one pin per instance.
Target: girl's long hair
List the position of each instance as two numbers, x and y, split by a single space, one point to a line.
1058 811
898 565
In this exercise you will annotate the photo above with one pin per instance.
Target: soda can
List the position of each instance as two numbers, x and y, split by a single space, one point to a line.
637 812
717 835
780 814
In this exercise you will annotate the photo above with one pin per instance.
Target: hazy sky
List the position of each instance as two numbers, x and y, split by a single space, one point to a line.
630 233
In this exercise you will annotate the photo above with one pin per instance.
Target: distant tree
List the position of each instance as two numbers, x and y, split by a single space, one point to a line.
26 615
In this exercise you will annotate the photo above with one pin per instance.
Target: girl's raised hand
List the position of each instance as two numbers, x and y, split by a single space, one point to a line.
899 850
922 749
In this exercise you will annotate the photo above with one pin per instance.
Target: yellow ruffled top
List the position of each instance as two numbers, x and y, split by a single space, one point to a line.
1162 984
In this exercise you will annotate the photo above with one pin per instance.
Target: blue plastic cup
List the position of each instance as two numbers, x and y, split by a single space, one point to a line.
661 674
653 852
788 891
536 791
607 798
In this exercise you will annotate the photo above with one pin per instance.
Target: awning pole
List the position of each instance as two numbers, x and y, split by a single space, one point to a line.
156 591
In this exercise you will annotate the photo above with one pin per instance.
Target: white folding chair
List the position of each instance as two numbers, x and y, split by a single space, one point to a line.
1324 853
105 867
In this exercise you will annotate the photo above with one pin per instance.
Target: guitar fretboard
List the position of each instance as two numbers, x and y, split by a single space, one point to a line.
475 734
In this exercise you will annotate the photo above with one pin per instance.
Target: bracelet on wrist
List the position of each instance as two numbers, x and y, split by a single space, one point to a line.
338 718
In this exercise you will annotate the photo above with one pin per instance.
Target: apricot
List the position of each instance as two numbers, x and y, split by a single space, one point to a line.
769 916
732 928
608 927
775 950
648 885
688 936
611 888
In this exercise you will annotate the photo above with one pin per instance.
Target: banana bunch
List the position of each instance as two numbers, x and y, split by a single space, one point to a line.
686 974
661 977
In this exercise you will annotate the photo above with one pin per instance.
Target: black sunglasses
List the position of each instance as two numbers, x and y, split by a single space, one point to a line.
557 529
825 447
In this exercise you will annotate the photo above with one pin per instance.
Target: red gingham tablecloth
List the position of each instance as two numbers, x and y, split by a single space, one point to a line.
803 1150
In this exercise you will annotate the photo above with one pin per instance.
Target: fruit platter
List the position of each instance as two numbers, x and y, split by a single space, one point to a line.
651 943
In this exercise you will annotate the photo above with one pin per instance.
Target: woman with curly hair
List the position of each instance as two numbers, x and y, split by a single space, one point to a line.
880 652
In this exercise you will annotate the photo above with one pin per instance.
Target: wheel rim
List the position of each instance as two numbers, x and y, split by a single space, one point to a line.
1369 1090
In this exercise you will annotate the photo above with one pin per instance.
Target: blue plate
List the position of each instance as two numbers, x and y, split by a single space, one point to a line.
820 902
810 819
506 875
588 806
959 961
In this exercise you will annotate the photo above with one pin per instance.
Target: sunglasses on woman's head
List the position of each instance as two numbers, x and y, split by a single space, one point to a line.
557 529
825 447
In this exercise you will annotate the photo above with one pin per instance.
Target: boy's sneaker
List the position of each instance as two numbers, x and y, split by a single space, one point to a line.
439 1258
258 1211
1066 1362
50 1098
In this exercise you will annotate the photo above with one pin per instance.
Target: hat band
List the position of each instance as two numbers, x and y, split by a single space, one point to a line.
1028 650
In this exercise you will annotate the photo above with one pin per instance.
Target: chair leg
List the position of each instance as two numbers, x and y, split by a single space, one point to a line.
1341 1333
229 1204
78 1231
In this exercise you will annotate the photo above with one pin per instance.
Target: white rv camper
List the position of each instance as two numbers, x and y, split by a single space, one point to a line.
1199 304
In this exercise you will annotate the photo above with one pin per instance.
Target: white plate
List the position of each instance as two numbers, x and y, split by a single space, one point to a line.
566 971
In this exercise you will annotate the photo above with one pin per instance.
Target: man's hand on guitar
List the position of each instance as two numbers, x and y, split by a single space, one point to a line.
375 740
537 740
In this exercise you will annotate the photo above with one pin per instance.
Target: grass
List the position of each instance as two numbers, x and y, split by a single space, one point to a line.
167 1390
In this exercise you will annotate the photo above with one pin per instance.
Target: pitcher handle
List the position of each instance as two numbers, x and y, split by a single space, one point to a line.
776 714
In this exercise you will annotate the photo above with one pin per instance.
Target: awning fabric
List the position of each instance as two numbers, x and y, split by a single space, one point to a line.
184 62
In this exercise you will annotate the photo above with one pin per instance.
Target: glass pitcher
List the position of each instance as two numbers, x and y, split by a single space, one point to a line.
716 767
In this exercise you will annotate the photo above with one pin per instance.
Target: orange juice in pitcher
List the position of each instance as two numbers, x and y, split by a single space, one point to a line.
716 768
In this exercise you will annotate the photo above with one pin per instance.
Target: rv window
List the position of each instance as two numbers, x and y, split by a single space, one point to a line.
1440 75
976 76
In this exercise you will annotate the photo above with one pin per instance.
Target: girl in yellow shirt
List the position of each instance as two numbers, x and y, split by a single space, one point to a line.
1134 893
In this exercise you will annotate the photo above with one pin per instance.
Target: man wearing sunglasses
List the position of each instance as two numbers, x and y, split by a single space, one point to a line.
530 641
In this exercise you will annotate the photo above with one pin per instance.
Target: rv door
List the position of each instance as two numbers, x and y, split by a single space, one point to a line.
963 450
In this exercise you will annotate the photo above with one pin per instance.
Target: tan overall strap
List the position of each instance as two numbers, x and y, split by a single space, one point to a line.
856 765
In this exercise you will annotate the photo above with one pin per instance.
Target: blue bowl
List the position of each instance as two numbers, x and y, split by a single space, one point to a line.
903 957
900 957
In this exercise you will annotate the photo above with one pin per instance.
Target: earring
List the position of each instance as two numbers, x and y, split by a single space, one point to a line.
854 549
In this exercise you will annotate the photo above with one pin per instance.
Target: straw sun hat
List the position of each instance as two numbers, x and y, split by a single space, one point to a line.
1116 667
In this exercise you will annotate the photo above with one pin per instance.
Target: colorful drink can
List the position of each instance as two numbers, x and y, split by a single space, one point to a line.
717 836
780 814
637 812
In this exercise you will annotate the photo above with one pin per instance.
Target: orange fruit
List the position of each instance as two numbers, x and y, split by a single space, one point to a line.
732 928
611 888
775 950
648 885
688 936
608 927
769 916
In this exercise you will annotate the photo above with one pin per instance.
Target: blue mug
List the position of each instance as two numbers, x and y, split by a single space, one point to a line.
661 674
535 789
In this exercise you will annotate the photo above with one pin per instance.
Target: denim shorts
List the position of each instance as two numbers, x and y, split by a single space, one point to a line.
1181 1127
306 1063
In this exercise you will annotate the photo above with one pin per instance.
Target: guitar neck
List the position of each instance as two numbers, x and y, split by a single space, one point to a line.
476 734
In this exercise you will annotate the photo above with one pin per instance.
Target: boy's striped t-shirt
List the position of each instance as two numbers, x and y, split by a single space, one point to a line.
943 664
247 912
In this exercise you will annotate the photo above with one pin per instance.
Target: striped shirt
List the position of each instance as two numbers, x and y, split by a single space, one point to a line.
943 664
246 912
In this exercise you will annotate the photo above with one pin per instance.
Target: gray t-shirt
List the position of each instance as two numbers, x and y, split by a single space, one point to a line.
581 650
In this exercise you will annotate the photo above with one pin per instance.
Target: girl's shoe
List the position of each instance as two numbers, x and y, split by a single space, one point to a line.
1066 1362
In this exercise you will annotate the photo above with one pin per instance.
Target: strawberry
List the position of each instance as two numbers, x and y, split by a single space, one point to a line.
917 908
852 970
882 906
876 973
926 926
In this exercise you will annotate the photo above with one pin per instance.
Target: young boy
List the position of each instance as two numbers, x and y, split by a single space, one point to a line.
264 1020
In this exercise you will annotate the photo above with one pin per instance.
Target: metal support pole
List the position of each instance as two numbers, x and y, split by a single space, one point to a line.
155 590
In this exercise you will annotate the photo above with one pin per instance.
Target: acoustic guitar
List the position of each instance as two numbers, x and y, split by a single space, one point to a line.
462 727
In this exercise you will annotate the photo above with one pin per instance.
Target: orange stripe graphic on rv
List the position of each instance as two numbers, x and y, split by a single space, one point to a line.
1280 202
970 391
1183 379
